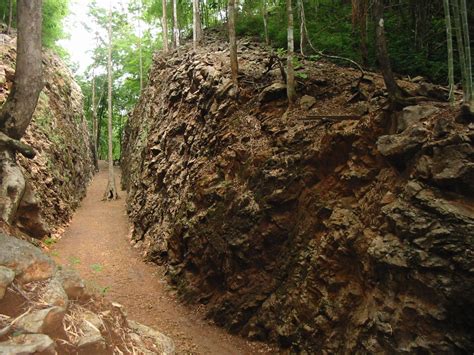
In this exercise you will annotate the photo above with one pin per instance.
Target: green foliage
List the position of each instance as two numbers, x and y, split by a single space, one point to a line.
415 32
73 260
54 12
97 267
50 241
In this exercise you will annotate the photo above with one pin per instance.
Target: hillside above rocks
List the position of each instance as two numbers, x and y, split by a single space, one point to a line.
58 175
334 226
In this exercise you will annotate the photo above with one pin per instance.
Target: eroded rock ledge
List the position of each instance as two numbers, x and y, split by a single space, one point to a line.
314 228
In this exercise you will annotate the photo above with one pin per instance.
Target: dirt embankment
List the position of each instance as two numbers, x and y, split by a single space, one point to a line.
63 166
335 226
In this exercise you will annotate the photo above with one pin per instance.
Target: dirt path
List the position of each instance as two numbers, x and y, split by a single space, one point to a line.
96 244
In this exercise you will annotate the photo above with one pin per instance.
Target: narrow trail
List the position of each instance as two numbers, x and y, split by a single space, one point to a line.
96 245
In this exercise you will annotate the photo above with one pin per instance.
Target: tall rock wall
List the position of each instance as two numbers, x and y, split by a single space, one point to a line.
63 166
319 229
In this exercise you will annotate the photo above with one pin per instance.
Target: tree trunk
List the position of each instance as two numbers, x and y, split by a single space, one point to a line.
394 91
165 27
290 73
449 37
10 17
234 64
360 9
265 21
111 190
461 48
467 50
175 25
16 113
94 123
196 24
140 54
302 24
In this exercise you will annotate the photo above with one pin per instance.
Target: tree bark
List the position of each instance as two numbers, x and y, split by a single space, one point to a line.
449 37
175 25
290 72
461 47
165 27
360 9
467 50
265 21
234 64
140 54
17 112
111 190
94 122
10 17
196 24
302 22
395 93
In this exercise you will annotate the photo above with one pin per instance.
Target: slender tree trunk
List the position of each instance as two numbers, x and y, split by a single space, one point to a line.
16 113
360 9
175 25
449 36
265 21
196 24
165 27
302 24
467 51
10 17
140 54
94 122
461 47
111 190
394 91
234 64
290 72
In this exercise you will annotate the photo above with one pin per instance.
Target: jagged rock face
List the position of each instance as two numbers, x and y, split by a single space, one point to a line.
63 166
46 309
294 227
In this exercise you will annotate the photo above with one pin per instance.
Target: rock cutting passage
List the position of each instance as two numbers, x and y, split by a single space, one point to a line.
96 244
270 177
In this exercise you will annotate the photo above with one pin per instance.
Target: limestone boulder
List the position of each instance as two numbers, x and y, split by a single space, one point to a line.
26 260
6 278
28 344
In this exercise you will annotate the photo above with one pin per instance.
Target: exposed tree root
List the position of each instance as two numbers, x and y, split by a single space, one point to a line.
110 193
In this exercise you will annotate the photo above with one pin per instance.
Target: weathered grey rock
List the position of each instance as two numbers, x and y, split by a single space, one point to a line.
46 321
29 218
412 115
54 294
6 278
162 344
91 344
401 146
92 341
70 281
361 108
273 92
28 344
28 262
449 165
306 102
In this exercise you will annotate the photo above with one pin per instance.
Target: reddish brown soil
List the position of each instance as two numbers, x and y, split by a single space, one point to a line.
96 244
